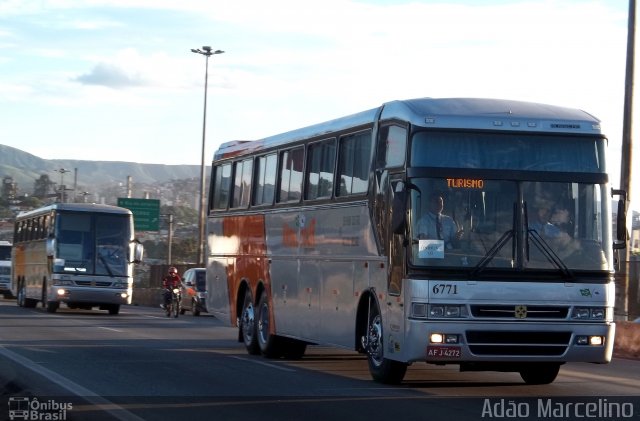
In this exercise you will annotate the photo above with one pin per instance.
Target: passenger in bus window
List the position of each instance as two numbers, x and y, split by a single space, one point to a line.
434 225
541 221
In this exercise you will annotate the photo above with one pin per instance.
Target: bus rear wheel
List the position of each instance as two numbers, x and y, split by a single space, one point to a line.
382 370
22 299
270 345
248 324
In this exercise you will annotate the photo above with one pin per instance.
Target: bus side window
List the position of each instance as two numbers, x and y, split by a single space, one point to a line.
354 158
291 175
221 186
242 185
320 165
265 180
392 146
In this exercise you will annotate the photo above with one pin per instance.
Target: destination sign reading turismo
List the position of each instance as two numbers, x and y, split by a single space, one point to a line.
465 183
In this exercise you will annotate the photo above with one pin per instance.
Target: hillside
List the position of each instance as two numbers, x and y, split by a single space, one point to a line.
25 168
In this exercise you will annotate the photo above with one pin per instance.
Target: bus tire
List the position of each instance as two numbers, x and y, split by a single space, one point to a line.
382 370
543 373
23 301
195 310
20 295
52 306
44 300
248 324
270 345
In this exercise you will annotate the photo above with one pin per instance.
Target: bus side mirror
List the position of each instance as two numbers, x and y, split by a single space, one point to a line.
399 209
51 247
621 220
138 251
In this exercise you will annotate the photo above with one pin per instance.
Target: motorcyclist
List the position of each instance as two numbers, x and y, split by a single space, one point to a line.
169 282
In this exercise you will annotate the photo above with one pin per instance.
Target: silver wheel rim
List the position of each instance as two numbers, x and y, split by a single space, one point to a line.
375 340
248 318
263 323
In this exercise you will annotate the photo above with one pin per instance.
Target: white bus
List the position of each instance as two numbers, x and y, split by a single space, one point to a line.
5 269
78 254
322 235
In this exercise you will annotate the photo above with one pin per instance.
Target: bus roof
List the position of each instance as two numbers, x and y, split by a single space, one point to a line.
444 113
75 207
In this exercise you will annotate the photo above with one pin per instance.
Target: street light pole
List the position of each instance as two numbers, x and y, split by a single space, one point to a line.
205 51
62 189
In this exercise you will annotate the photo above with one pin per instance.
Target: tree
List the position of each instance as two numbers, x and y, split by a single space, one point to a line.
43 186
31 202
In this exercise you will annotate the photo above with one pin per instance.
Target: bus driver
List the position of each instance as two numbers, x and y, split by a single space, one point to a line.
434 225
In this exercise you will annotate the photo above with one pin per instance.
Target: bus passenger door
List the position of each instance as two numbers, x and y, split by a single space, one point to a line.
395 242
391 245
391 148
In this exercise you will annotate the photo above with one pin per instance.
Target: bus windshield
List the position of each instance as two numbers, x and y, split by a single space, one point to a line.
509 225
92 244
508 201
5 252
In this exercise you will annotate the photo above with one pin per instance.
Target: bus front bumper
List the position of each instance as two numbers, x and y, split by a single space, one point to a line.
448 342
94 296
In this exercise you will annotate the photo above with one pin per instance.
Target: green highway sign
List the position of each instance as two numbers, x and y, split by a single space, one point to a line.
146 212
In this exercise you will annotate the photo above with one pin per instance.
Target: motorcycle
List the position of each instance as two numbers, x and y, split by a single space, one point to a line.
172 302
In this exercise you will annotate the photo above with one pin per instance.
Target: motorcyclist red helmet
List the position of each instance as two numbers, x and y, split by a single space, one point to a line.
172 269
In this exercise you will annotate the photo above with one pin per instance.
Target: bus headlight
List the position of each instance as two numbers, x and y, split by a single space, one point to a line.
419 310
63 282
590 340
589 313
443 338
447 311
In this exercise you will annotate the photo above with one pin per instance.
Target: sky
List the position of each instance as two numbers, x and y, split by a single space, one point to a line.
115 80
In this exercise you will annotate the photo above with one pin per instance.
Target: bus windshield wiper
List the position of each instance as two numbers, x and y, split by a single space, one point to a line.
106 265
495 249
544 247
548 252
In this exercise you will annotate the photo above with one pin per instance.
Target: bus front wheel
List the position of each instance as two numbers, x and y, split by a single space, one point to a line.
382 370
540 373
52 306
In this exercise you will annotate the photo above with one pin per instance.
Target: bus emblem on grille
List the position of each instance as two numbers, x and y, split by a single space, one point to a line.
521 312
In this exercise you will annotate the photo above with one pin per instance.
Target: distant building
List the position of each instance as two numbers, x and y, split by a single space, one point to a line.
9 189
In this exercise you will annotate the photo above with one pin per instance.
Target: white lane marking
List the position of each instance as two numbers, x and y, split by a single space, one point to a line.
277 367
111 329
115 410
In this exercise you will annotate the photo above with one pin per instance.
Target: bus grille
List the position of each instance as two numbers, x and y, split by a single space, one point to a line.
533 312
93 283
518 343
